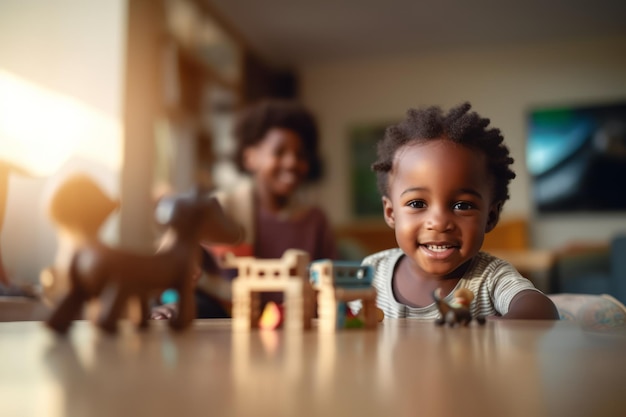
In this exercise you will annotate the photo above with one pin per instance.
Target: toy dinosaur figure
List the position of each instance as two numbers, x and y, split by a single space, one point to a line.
457 312
113 275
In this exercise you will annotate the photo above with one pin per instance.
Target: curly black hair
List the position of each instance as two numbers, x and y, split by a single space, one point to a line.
254 122
460 126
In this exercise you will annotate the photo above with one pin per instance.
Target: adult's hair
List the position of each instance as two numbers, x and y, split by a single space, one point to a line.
459 125
255 121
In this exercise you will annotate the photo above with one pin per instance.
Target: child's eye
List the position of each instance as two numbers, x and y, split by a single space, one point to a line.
416 204
463 205
278 152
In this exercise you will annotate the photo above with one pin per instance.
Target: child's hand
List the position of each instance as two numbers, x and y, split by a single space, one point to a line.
164 312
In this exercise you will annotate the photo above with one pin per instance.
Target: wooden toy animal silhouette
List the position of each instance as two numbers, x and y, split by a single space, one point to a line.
113 275
458 312
78 208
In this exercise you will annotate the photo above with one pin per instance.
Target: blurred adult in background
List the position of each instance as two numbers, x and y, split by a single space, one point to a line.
277 149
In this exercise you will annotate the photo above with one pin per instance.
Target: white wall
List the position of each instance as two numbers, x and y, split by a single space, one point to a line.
73 51
502 84
75 47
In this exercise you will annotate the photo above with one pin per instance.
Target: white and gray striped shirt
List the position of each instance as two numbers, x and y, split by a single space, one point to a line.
493 281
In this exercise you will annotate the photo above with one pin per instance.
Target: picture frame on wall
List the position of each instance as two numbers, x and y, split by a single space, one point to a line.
365 199
576 157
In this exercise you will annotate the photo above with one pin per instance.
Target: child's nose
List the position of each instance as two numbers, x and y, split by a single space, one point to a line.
290 160
439 220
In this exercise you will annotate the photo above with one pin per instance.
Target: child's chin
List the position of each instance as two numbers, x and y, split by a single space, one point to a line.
438 268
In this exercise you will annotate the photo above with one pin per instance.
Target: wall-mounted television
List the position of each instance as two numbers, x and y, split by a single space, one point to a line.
576 156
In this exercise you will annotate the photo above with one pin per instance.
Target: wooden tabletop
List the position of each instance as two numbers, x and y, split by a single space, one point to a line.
404 368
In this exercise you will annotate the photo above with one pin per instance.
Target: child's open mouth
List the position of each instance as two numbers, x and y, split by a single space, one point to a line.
288 178
438 248
439 251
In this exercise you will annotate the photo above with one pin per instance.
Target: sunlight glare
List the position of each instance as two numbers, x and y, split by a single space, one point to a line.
41 129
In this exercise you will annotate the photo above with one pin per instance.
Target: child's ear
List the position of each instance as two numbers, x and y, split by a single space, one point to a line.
494 216
388 212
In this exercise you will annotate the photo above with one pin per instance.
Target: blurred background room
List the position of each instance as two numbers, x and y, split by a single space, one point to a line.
141 94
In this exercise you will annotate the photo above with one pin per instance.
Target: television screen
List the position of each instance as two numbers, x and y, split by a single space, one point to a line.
576 157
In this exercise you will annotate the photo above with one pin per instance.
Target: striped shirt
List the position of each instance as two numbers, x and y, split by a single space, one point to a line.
493 281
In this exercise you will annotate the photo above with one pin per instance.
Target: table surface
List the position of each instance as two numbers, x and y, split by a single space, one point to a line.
403 368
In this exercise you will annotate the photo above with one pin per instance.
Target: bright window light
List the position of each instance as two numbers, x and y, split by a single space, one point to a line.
40 129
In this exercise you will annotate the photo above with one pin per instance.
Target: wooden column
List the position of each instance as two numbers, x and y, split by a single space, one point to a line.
143 106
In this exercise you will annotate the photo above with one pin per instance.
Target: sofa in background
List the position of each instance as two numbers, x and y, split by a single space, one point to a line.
597 269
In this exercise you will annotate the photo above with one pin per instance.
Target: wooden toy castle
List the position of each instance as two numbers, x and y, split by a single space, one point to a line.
287 275
332 283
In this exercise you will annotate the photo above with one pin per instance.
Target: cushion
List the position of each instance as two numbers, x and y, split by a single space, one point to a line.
596 312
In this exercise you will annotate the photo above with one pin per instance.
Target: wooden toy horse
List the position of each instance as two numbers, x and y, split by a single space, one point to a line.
113 275
78 209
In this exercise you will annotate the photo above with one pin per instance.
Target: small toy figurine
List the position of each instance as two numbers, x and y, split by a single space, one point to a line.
338 282
457 312
113 276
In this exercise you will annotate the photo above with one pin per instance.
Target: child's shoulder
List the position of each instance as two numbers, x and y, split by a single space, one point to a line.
490 271
234 195
487 261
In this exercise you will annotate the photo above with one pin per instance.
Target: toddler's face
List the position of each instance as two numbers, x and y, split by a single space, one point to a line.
279 162
440 205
